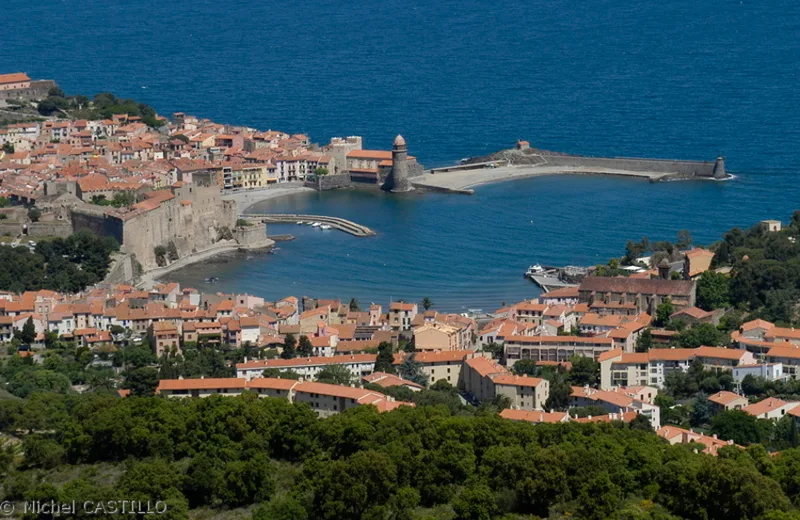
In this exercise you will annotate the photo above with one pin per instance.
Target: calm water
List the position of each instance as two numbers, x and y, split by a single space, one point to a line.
680 79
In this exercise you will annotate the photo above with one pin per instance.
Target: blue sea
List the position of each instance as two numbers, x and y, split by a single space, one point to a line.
679 79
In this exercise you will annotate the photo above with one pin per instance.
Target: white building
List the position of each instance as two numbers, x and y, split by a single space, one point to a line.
309 367
769 371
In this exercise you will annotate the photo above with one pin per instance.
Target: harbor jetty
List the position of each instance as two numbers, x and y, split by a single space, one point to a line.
550 277
523 161
334 222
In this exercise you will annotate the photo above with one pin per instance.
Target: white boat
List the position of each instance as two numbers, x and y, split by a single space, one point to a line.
325 226
534 269
315 224
299 222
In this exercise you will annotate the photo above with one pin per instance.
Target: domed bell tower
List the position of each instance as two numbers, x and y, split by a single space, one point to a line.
397 181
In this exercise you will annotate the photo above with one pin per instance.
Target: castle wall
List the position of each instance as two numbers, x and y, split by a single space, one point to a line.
144 232
37 90
55 228
98 223
329 182
10 228
192 221
123 270
252 236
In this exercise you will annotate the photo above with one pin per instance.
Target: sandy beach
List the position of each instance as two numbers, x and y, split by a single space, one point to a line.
466 179
148 279
247 198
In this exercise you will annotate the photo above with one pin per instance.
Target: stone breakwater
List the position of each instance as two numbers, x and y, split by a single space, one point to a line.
517 164
341 224
464 180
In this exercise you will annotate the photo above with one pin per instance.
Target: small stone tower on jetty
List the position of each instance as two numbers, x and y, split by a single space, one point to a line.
719 168
397 181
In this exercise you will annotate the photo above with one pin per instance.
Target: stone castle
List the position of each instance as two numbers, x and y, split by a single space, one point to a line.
185 218
388 170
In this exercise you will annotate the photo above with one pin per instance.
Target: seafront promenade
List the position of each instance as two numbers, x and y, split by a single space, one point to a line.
247 198
463 181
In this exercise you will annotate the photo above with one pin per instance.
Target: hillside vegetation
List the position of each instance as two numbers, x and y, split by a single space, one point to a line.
279 461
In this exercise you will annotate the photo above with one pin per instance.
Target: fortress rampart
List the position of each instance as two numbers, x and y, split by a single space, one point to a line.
38 90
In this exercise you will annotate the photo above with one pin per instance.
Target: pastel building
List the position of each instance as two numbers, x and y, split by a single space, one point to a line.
554 348
359 365
651 368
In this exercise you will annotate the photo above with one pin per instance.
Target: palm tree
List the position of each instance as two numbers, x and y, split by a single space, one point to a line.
427 303
354 307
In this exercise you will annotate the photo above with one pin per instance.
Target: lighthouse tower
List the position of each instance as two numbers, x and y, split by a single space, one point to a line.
397 181
719 168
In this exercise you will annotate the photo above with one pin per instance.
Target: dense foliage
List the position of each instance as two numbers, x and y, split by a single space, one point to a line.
64 265
102 106
410 463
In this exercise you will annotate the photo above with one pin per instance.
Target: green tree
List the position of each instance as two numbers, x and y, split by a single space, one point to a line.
641 422
335 375
28 333
645 341
8 148
320 172
410 369
34 214
526 367
495 349
701 334
289 347
475 503
713 291
663 312
785 435
42 452
585 371
701 410
385 359
427 303
599 498
358 486
304 347
740 427
560 393
142 381
354 307
281 508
